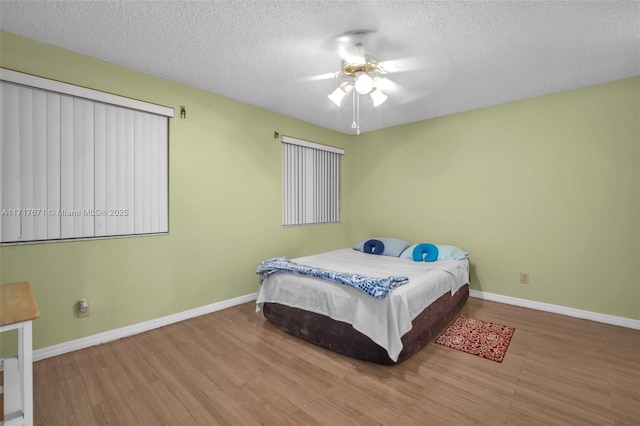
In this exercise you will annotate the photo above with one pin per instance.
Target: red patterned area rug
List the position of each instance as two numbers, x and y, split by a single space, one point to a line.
477 337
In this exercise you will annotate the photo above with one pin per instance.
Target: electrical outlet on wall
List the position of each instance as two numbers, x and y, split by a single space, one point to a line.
83 308
524 277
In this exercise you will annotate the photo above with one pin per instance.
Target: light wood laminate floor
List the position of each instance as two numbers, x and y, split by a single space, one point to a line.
232 367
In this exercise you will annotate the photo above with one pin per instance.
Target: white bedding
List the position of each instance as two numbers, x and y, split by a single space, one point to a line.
383 321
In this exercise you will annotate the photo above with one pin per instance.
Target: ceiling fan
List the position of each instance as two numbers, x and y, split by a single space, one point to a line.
361 74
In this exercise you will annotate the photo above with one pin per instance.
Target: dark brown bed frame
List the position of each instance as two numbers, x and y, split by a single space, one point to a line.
341 337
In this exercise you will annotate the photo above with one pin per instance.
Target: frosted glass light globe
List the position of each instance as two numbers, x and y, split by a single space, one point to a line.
363 84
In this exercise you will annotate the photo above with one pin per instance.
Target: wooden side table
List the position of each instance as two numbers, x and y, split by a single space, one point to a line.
17 309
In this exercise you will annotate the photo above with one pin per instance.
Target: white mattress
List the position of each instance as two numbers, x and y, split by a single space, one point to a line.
383 321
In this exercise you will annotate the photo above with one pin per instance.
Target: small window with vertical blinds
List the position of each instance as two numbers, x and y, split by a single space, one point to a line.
78 163
310 182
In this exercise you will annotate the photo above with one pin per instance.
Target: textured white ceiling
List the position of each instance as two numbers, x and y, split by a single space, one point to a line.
453 56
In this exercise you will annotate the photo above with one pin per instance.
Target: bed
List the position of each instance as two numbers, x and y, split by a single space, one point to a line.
349 321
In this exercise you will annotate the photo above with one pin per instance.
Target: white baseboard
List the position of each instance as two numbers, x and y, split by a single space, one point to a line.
557 309
130 330
119 333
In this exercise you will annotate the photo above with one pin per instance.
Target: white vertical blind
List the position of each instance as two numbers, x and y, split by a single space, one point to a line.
54 163
40 160
11 229
25 150
310 182
66 169
72 167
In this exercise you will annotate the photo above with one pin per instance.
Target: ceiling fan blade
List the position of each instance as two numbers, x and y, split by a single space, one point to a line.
388 86
399 94
405 64
320 77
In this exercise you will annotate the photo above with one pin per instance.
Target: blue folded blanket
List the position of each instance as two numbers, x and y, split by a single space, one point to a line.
376 287
426 252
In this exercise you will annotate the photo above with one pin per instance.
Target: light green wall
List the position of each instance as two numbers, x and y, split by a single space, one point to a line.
225 211
548 186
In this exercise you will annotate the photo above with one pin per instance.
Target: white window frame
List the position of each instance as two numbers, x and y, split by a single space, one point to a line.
311 182
78 163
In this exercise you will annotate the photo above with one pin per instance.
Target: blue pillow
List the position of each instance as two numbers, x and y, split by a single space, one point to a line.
392 246
445 252
408 253
451 253
426 252
374 247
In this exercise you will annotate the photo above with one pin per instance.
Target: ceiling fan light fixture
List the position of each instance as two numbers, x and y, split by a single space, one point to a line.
377 96
359 73
337 95
363 83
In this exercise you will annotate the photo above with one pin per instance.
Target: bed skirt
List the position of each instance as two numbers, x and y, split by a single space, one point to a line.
341 337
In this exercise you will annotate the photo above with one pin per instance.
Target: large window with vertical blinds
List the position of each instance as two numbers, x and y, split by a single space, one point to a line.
310 182
78 163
